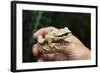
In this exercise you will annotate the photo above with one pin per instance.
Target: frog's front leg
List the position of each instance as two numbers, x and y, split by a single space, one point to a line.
50 42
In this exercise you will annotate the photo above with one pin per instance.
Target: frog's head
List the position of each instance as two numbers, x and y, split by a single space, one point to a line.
58 34
62 32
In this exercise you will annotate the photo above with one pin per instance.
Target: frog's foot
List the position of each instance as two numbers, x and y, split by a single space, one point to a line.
52 45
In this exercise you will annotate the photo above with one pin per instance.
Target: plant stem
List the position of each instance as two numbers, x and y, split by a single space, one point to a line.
37 21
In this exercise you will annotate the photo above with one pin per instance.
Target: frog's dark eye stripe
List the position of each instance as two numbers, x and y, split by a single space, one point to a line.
63 34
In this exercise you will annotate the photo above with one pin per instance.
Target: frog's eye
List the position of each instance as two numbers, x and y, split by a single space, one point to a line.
63 34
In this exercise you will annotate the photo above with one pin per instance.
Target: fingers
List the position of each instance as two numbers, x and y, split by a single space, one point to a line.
48 57
43 31
41 57
36 53
35 50
54 57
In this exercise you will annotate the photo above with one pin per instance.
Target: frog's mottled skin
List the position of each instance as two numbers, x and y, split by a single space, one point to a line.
54 36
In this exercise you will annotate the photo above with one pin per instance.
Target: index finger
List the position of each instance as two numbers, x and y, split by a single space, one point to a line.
43 31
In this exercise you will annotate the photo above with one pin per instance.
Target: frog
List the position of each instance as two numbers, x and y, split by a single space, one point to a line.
53 37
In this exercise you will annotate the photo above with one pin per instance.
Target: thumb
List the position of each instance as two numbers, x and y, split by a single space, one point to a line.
40 39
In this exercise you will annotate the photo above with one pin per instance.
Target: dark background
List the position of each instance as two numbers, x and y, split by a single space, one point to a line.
78 23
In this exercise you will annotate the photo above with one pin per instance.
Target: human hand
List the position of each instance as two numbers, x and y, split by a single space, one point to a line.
76 50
